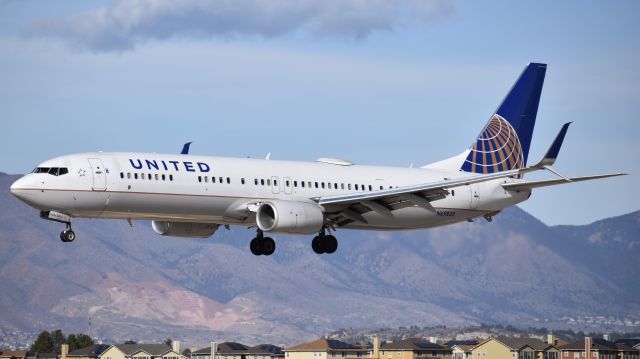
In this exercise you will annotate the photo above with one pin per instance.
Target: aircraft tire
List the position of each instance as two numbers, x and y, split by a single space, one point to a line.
268 246
256 246
330 244
315 245
67 235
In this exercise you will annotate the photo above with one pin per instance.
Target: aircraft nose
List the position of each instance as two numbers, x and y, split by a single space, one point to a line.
21 189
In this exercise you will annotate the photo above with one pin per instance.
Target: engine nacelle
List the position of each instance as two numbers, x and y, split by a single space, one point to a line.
289 217
184 229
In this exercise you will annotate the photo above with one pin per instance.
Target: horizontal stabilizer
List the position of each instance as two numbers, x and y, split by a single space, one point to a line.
518 186
552 153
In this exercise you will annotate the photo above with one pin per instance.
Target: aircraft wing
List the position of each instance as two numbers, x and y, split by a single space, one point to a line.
517 186
352 206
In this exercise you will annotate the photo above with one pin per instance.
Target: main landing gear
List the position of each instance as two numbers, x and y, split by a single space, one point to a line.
262 245
68 235
324 243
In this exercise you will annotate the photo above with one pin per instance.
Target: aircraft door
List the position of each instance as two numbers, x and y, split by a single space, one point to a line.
288 185
99 174
275 185
475 196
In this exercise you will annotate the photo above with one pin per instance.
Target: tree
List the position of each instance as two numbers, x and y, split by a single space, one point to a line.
130 342
58 339
168 341
43 344
186 352
72 341
82 341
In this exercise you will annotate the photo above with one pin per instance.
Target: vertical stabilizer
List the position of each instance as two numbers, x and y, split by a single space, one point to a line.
504 142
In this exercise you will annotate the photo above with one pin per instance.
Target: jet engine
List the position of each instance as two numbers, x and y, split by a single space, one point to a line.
289 217
184 229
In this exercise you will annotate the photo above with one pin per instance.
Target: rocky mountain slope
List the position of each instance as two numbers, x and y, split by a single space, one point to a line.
136 284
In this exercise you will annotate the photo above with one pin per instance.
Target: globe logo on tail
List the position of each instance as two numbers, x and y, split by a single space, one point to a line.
497 149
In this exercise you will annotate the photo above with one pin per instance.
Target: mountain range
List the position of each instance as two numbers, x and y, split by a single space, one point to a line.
134 284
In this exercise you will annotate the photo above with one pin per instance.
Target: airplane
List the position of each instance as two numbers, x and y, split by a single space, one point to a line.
192 196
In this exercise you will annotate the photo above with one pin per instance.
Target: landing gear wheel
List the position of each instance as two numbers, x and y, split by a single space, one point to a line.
268 246
330 244
315 245
255 246
67 235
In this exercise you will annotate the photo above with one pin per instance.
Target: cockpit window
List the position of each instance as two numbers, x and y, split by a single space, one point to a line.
56 171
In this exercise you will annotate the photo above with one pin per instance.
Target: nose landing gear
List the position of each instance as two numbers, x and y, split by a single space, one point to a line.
262 245
324 243
68 235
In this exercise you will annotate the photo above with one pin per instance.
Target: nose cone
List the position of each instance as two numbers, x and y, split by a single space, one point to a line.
23 189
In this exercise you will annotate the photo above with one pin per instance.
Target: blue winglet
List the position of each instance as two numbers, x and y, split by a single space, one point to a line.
185 148
554 149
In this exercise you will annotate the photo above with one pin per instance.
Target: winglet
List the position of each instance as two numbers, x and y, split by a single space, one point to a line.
185 148
552 153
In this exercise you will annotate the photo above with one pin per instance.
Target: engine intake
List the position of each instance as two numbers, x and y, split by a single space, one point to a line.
184 229
289 217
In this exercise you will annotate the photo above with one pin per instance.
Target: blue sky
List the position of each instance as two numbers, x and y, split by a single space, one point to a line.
376 82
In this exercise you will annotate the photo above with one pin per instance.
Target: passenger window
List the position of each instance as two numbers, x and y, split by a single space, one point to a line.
135 175
149 176
295 183
286 183
370 188
199 179
156 176
322 184
220 180
255 180
228 180
309 184
262 182
242 180
122 175
170 177
349 186
128 175
356 187
164 177
316 184
206 179
213 179
268 182
453 192
302 184
341 185
335 186
381 188
275 182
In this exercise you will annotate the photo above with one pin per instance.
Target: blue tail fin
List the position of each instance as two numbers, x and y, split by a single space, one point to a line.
504 142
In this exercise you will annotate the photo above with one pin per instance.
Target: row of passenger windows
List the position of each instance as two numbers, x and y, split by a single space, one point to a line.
146 176
295 183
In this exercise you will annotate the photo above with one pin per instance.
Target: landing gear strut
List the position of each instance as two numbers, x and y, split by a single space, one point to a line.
262 245
68 235
324 243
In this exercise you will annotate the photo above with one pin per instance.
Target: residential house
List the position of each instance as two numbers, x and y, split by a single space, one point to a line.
589 348
142 351
17 354
232 350
325 349
510 348
90 352
628 348
462 351
413 348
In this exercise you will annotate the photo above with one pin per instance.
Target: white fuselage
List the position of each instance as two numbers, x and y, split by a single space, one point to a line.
187 188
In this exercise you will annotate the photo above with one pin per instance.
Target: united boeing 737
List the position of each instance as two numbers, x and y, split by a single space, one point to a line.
192 196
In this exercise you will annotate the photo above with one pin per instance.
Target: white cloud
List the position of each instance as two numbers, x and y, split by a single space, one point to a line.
124 24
